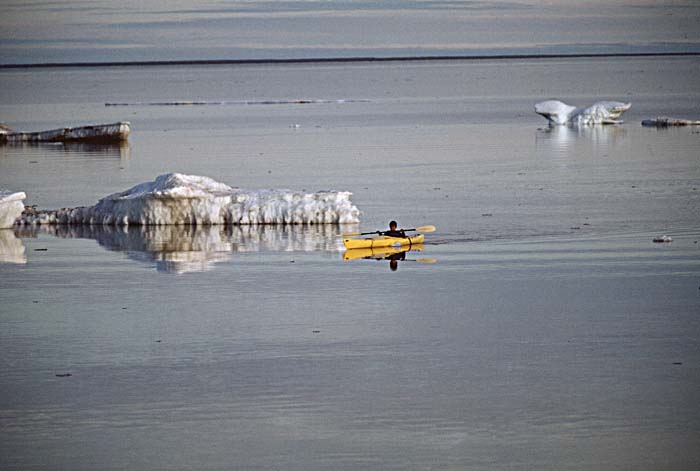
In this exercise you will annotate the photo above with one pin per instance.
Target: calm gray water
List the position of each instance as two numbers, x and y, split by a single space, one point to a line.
550 333
136 30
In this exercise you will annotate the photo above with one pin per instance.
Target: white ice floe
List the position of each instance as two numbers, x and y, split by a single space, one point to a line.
11 207
177 199
602 112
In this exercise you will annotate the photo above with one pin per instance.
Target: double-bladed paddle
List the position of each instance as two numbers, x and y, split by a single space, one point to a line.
418 229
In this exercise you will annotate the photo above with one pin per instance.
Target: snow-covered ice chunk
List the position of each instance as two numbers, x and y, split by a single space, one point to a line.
11 207
602 112
178 199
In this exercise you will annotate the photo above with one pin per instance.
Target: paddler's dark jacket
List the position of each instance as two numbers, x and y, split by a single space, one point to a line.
394 233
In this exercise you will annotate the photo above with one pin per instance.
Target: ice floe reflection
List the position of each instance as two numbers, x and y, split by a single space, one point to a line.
121 150
11 248
183 249
562 139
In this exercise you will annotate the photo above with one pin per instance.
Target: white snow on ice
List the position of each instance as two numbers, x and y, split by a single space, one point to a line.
178 199
11 207
602 112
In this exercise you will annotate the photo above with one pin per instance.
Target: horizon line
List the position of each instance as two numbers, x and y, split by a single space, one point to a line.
311 60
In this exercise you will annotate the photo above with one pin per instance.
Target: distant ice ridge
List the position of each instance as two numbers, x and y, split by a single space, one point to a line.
11 206
178 199
602 112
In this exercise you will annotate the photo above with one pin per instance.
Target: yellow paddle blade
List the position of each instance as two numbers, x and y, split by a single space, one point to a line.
425 229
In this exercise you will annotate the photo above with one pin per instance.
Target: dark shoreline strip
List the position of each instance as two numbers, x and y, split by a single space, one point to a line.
343 59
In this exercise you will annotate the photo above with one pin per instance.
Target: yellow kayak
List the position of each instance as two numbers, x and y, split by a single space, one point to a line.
379 253
383 241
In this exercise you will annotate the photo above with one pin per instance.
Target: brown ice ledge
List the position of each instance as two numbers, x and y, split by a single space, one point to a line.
96 134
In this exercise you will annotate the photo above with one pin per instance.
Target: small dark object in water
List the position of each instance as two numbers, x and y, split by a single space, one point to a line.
487 214
677 362
41 250
662 239
665 122
63 375
315 331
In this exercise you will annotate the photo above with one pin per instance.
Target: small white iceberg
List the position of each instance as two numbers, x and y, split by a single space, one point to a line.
178 199
602 112
11 207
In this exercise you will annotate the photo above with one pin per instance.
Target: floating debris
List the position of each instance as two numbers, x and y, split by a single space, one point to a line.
665 122
663 239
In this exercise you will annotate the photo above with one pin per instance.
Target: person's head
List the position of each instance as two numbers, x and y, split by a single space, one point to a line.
392 225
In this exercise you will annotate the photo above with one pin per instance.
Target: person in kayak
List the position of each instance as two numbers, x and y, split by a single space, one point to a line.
393 232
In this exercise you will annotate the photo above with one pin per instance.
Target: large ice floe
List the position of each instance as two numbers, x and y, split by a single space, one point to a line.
602 112
11 207
177 199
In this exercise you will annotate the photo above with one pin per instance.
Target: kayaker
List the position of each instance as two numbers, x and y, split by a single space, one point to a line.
393 232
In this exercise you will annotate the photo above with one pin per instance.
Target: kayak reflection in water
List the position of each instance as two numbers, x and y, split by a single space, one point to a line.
393 232
393 254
